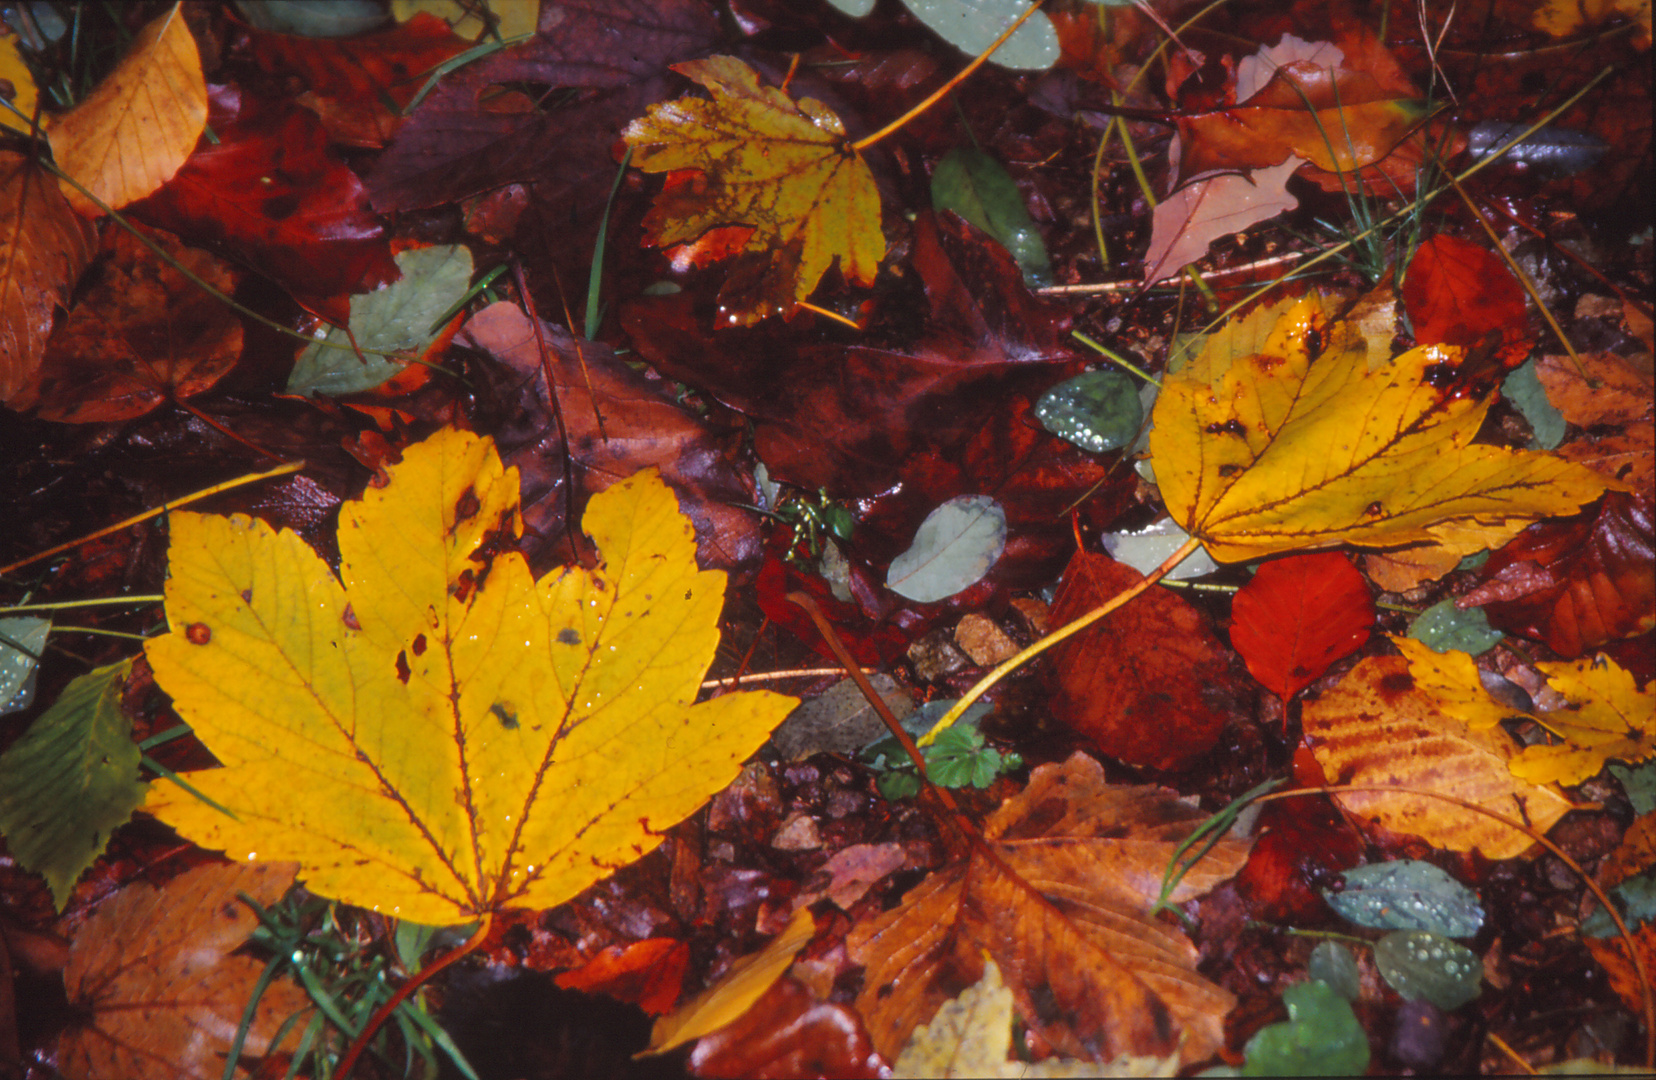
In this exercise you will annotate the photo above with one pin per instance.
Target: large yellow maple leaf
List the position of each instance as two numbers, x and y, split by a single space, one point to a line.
781 167
1280 437
440 735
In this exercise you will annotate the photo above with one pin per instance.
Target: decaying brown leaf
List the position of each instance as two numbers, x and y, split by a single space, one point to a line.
1092 973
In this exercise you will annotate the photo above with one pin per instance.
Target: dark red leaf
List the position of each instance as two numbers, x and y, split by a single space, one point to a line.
1149 683
360 85
787 1033
271 194
872 641
1578 583
1458 293
1297 616
1305 844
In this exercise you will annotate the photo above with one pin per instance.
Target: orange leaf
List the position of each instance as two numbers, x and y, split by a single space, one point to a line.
131 134
1380 727
1297 616
45 248
1456 293
1111 979
647 973
1185 223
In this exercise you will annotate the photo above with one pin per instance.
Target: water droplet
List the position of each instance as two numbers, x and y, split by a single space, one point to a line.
251 855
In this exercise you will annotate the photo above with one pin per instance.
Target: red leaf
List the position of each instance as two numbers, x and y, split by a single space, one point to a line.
1578 583
1305 844
1456 293
1297 616
788 1033
1149 683
648 973
269 193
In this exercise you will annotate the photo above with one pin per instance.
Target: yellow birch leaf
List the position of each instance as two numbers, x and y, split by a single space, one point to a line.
1452 680
130 135
1295 444
1608 718
439 735
781 167
1382 727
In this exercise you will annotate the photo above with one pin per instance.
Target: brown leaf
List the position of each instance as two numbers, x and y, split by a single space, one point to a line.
154 970
1378 727
1186 222
143 333
1616 389
1148 684
1092 973
640 427
1577 583
45 249
785 1034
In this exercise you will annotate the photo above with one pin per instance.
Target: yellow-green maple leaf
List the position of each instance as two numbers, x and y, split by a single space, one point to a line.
440 735
781 167
1608 718
1278 437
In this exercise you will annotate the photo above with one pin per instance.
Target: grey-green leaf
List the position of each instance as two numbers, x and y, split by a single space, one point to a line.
1443 627
972 26
1408 895
71 780
1323 1038
398 316
1333 964
1640 785
954 547
1429 967
1524 390
977 187
22 637
1096 410
1636 897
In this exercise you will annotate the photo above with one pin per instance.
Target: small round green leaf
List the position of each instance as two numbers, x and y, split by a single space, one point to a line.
1096 410
1323 1038
1443 627
22 638
1429 967
955 546
1408 895
973 25
1333 964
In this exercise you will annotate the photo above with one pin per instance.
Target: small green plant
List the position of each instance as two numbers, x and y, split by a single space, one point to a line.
959 756
349 972
814 519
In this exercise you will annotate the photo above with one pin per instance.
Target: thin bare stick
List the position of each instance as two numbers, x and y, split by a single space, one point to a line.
869 140
240 481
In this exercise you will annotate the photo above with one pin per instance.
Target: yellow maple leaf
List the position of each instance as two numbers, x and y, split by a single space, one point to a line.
1451 678
781 167
1608 718
1278 437
441 735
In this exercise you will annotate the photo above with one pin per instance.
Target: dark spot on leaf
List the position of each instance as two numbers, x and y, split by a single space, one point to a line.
419 645
1398 682
350 619
1314 342
467 507
198 633
402 668
1438 376
462 587
569 636
279 207
247 596
1229 427
1230 470
506 714
1374 509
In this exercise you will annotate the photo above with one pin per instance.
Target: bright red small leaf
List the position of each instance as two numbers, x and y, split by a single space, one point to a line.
1297 616
271 194
648 973
1456 293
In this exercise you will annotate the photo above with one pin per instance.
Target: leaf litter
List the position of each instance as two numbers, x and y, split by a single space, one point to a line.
905 374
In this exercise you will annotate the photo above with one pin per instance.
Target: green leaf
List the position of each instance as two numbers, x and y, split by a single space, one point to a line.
954 547
71 780
21 640
1147 548
1524 390
1429 967
397 317
1408 895
1636 897
959 757
1640 785
1332 963
1443 627
1096 410
1322 1038
977 187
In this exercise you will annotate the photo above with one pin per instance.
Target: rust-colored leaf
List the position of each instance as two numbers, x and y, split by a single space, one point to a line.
44 248
1149 683
1091 972
1457 293
1297 616
647 973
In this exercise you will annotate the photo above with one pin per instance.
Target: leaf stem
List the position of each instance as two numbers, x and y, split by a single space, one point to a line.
383 1013
240 481
869 140
1069 629
102 601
